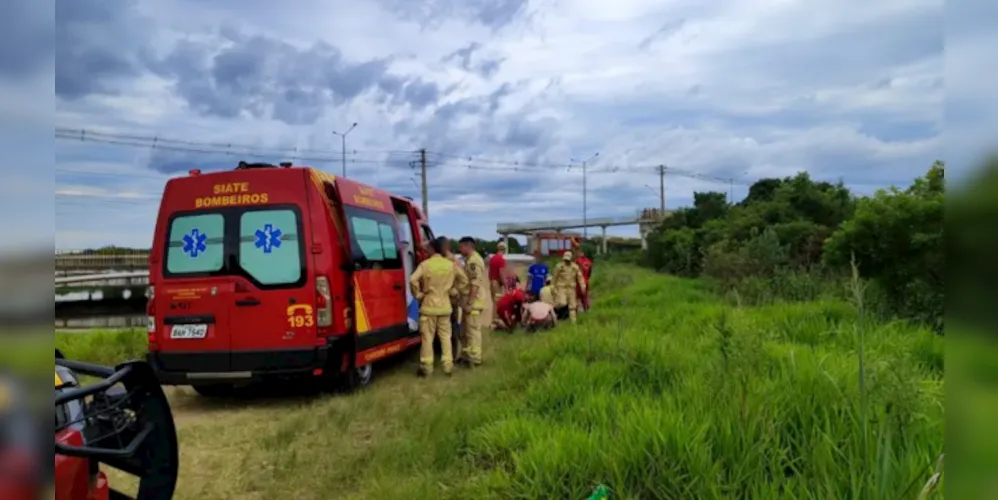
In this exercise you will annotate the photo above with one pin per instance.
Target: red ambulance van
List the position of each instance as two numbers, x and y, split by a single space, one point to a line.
271 271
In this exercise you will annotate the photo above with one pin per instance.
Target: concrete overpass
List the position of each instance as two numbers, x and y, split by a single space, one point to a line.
646 220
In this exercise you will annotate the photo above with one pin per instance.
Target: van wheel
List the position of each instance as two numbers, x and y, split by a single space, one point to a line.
356 378
214 390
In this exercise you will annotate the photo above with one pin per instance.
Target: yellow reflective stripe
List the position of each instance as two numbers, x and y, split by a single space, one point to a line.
58 379
436 311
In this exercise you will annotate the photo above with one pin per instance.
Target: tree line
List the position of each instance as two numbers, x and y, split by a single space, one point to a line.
799 239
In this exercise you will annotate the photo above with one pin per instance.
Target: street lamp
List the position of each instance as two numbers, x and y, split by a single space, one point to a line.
585 211
343 136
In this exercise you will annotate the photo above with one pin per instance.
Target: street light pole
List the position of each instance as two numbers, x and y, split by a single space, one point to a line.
585 211
343 137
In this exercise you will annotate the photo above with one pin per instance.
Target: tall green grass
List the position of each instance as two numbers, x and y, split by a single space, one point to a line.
663 390
666 393
106 347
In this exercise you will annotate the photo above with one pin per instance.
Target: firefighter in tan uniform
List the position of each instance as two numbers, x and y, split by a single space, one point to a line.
431 283
473 303
457 294
568 276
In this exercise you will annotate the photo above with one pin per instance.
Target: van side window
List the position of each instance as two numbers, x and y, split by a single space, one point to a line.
373 239
405 229
388 242
269 246
196 244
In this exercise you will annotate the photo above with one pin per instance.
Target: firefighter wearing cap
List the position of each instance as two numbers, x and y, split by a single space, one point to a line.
567 278
472 303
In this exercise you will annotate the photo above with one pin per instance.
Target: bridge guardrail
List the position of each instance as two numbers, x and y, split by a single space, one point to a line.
67 262
92 278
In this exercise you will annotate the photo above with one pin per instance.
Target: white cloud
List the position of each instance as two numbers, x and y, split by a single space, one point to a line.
755 88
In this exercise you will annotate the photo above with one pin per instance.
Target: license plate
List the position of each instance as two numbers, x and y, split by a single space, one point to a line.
188 331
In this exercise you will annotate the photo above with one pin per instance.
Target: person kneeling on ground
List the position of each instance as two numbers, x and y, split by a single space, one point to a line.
508 310
538 315
547 292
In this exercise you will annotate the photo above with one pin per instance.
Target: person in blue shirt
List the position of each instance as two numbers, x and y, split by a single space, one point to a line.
536 274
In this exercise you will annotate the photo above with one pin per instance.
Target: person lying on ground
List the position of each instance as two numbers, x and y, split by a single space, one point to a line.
538 315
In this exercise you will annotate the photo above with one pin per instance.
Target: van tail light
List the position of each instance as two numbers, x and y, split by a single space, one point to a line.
323 303
151 316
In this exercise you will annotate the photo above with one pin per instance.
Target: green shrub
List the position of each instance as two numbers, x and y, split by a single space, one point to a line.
793 239
896 239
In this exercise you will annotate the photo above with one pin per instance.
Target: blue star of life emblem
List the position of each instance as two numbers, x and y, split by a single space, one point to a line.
194 243
268 238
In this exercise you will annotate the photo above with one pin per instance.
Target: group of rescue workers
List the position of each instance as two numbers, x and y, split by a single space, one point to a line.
452 293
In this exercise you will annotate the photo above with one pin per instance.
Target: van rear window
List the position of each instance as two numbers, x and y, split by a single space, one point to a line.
196 244
260 244
268 246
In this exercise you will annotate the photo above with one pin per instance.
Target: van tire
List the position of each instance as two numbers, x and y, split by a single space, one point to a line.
214 390
356 378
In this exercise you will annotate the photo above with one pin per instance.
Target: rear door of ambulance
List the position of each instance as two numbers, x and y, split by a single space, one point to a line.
191 292
255 291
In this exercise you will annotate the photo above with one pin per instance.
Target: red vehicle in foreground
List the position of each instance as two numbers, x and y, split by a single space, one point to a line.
123 421
267 272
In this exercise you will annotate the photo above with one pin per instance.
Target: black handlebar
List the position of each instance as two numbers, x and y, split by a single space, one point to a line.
131 429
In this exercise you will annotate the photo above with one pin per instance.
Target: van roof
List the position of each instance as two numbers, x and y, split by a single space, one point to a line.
238 182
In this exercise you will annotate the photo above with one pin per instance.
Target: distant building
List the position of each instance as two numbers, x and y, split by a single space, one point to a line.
552 242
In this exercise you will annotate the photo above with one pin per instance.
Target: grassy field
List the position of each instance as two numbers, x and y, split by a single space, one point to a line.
662 391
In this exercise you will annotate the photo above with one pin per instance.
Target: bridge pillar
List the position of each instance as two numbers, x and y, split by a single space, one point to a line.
505 240
603 241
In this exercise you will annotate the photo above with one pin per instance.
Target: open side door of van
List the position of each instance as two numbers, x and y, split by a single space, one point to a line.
379 279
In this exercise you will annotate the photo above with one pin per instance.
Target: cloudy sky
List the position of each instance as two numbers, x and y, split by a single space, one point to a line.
503 95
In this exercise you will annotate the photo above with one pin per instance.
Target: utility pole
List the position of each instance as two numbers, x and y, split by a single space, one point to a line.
343 136
422 176
661 188
585 207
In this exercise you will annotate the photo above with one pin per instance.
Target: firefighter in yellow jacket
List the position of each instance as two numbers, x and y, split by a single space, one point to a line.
431 283
473 303
568 275
547 292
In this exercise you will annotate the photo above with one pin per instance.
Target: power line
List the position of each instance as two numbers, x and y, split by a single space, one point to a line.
616 170
229 152
233 149
605 169
85 134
